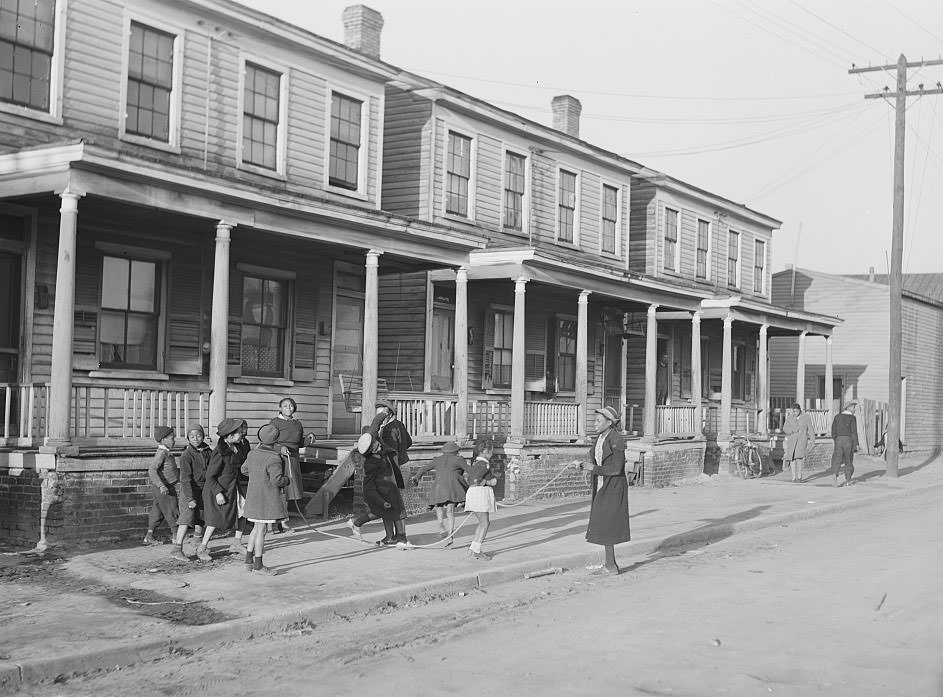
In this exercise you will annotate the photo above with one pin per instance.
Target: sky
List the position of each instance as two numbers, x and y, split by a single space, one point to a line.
749 100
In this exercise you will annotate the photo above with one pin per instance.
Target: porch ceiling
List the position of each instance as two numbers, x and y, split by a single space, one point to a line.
781 322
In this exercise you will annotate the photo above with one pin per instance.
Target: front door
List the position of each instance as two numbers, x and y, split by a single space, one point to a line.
443 347
347 361
10 299
613 372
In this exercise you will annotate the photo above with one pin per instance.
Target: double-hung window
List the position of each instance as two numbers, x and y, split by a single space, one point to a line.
514 191
566 355
610 218
27 42
346 141
458 174
703 262
261 116
264 325
671 240
759 267
150 83
130 313
733 259
503 343
566 206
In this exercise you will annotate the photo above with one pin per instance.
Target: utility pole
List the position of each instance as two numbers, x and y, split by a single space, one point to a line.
895 279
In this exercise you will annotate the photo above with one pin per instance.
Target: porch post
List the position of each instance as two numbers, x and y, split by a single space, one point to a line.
371 320
623 375
726 392
696 380
582 335
460 367
219 323
651 369
58 430
763 387
800 372
517 362
829 380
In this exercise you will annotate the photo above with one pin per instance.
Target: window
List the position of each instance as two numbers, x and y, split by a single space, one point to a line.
27 39
260 116
150 83
264 321
703 269
566 206
566 355
738 376
733 259
514 191
503 341
610 218
346 131
129 314
459 174
759 267
671 240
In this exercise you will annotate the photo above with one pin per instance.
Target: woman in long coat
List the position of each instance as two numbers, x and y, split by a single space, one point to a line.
609 512
800 436
220 490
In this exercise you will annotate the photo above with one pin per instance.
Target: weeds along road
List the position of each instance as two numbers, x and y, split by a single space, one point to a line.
848 604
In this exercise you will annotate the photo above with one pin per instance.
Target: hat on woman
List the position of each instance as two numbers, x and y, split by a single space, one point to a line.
268 434
450 447
610 414
386 403
227 426
161 432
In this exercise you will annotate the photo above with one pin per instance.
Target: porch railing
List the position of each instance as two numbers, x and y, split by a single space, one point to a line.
24 413
129 412
820 423
551 419
425 415
676 421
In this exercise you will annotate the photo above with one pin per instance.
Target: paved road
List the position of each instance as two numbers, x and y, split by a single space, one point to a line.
848 604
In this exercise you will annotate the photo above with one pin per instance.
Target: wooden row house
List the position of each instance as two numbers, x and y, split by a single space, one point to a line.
204 208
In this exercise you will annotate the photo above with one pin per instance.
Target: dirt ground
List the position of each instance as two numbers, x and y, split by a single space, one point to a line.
847 604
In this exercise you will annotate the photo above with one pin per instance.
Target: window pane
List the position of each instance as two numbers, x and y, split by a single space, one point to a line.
142 340
252 300
115 283
27 30
111 338
143 286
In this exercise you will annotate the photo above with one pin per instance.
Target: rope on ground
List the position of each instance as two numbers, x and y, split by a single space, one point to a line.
574 463
158 602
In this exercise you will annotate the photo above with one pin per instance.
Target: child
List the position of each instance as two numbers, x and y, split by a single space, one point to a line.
164 477
290 438
193 462
479 499
242 484
449 488
264 503
219 494
381 492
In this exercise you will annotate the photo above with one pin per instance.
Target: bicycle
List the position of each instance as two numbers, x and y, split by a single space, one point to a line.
747 458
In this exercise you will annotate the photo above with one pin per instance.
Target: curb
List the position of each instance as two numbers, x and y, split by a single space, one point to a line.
14 675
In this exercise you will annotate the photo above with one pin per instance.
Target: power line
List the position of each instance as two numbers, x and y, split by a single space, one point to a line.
839 29
923 181
914 21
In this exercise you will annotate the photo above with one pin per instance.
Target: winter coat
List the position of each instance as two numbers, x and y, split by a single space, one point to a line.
221 478
609 512
449 485
264 468
291 435
380 487
193 463
394 442
799 436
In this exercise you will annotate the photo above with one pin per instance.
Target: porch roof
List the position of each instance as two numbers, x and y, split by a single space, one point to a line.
540 266
781 321
88 169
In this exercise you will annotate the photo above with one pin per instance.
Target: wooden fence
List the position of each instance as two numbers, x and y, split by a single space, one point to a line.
426 416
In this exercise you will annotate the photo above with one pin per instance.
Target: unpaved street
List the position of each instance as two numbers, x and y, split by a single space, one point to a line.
841 605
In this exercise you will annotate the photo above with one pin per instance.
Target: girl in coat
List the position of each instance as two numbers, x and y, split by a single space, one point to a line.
220 491
449 487
264 502
193 463
609 511
479 499
290 439
381 492
800 436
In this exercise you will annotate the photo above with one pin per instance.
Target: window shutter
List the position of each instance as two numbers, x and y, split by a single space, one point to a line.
590 376
535 371
87 305
234 334
487 355
184 321
304 355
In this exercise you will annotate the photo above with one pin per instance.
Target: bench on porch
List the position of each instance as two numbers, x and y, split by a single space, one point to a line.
352 390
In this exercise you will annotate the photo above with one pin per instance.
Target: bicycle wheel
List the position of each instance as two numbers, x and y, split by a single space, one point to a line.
737 456
754 462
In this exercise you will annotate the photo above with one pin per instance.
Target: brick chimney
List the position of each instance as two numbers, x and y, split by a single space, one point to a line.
362 27
566 114
871 274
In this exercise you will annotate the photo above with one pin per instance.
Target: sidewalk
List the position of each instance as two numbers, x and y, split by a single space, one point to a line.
116 606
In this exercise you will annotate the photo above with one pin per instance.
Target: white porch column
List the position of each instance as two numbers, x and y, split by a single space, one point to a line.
763 384
696 379
623 375
219 323
726 381
829 380
518 355
800 372
58 429
460 365
582 336
651 370
371 320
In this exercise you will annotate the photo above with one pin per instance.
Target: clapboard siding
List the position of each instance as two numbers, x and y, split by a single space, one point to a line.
488 193
642 221
402 330
922 365
406 153
306 128
590 211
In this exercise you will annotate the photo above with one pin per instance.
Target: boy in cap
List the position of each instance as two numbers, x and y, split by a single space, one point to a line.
164 477
381 492
264 501
193 462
